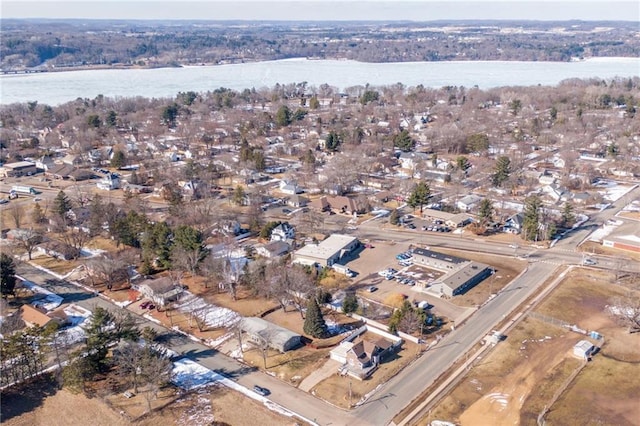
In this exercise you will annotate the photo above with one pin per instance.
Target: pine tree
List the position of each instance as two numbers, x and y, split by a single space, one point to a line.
568 217
314 324
419 196
350 303
502 171
61 204
486 210
531 222
7 275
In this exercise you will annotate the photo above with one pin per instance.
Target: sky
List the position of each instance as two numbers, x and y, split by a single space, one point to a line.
316 10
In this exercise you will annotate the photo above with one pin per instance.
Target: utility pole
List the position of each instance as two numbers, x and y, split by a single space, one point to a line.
350 395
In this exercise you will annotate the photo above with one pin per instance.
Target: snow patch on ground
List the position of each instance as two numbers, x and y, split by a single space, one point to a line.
75 332
48 301
214 316
190 375
500 398
199 412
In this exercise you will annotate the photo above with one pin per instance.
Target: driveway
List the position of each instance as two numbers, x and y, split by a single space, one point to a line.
329 369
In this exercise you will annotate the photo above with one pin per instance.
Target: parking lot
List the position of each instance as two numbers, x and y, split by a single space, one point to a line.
371 261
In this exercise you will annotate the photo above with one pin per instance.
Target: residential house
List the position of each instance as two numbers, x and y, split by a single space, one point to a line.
273 249
36 317
513 224
109 182
78 215
72 160
60 171
469 202
297 201
290 188
283 232
360 359
58 250
278 338
160 290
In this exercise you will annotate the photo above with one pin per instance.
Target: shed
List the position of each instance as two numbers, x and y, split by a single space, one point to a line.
279 338
583 349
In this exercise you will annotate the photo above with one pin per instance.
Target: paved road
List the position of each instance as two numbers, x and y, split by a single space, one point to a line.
297 401
403 388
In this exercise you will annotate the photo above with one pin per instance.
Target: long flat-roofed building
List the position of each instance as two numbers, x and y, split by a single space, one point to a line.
460 274
20 168
327 252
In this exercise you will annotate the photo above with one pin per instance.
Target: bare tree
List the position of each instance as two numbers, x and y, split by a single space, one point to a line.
626 311
108 269
28 239
264 342
17 214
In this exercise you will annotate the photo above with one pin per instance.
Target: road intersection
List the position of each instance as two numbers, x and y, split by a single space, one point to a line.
414 379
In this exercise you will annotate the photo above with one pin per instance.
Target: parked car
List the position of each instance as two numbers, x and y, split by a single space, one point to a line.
145 305
260 390
372 289
588 261
151 306
3 201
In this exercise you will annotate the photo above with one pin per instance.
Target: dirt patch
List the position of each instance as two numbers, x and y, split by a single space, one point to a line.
520 376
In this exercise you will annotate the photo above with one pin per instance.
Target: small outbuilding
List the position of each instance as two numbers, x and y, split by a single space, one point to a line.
584 349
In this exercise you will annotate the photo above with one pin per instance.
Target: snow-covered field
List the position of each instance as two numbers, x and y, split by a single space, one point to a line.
214 316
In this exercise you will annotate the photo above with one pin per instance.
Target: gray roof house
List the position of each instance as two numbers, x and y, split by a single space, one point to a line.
279 338
160 290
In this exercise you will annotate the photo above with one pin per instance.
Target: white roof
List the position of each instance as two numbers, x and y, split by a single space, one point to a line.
326 248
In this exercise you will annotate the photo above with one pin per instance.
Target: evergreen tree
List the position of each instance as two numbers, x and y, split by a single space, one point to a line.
419 196
502 171
314 103
369 96
61 204
118 160
486 210
7 275
350 303
531 222
283 116
111 118
394 217
333 142
462 163
314 324
568 217
478 142
156 245
403 141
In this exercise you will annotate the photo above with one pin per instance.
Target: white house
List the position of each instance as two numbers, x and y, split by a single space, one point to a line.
290 188
283 232
468 202
109 182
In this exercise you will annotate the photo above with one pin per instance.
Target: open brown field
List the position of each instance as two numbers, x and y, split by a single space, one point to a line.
42 404
521 376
